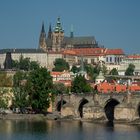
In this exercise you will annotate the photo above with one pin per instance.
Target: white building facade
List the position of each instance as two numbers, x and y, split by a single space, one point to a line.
45 59
131 59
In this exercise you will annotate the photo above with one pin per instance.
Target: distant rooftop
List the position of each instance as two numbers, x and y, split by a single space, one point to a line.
21 51
93 51
133 56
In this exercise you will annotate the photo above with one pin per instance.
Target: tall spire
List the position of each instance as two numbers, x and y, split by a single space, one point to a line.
42 39
71 31
50 32
43 29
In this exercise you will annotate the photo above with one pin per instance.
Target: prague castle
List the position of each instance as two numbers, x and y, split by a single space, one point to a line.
55 45
57 41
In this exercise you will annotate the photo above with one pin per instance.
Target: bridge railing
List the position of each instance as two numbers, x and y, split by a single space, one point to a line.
100 93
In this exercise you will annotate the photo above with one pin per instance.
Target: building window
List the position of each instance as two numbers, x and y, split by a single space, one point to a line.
85 61
110 59
118 59
107 59
92 61
115 59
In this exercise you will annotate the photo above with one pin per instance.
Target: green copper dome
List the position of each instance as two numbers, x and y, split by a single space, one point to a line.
58 27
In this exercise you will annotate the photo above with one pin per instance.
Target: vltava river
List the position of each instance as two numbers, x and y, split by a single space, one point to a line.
66 130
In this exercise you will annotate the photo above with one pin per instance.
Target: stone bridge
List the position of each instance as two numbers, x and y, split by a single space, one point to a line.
113 106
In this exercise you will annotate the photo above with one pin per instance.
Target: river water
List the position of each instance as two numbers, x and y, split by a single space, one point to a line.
66 130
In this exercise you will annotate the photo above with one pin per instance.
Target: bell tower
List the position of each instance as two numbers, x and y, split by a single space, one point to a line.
57 36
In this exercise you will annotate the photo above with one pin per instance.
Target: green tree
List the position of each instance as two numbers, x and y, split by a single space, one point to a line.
20 98
60 88
80 85
60 65
34 65
5 81
39 86
130 70
20 95
18 78
92 71
104 69
113 72
75 69
24 63
15 64
3 98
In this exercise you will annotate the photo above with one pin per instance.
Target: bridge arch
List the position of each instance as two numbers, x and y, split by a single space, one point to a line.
109 108
82 102
60 104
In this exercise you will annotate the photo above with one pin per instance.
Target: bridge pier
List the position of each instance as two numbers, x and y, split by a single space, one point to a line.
123 112
68 110
93 112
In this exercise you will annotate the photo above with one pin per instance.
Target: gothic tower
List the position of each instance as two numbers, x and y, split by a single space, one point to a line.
50 32
57 36
42 39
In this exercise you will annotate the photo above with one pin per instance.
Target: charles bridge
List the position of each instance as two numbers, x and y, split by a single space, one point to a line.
111 106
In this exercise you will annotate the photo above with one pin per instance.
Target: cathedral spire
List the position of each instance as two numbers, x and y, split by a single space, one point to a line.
43 29
42 39
50 32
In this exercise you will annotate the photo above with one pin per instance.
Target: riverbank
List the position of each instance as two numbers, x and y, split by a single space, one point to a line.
33 117
41 117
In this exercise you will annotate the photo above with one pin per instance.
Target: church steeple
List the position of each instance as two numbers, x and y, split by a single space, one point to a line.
43 29
50 32
42 38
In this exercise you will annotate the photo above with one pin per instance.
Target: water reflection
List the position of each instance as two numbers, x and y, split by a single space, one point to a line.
109 125
70 130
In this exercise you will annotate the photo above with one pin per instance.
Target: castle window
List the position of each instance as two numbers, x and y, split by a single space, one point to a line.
110 59
107 59
115 59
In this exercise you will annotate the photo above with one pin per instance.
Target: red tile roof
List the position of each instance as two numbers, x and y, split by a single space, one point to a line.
93 51
114 52
133 56
56 73
85 51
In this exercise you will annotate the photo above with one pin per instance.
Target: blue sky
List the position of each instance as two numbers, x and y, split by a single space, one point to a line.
114 23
